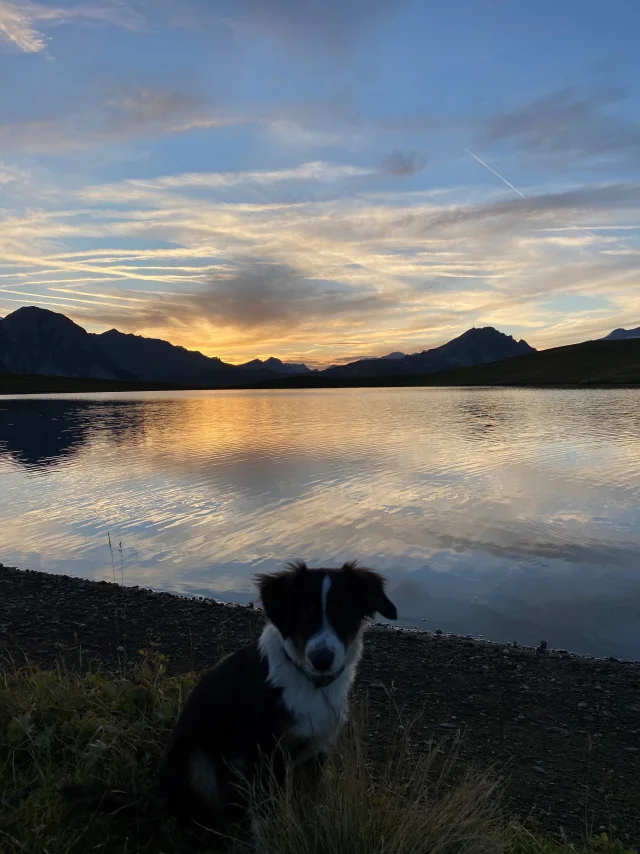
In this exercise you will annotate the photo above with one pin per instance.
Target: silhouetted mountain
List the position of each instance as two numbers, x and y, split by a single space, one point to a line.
37 341
152 359
590 364
474 347
287 369
622 334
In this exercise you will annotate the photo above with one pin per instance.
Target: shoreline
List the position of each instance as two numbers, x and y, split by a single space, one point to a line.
80 387
563 730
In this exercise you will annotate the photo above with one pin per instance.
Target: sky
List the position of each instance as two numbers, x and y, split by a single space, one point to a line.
322 180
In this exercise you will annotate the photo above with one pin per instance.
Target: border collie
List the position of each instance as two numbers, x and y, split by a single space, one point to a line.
280 699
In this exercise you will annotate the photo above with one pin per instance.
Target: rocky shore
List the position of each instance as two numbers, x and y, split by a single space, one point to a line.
562 731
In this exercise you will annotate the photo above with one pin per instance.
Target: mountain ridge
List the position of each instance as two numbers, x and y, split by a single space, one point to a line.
476 346
37 341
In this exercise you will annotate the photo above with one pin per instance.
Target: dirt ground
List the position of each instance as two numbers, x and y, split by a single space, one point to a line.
562 731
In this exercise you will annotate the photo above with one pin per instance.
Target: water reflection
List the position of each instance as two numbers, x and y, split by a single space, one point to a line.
38 437
511 513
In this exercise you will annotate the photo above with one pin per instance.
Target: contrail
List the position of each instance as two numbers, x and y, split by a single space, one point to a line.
497 174
522 196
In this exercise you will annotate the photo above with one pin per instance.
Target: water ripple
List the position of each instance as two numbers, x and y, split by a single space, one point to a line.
511 513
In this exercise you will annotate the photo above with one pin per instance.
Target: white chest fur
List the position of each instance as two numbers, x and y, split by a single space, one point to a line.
317 713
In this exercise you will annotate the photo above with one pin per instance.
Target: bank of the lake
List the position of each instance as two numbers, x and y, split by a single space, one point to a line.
563 730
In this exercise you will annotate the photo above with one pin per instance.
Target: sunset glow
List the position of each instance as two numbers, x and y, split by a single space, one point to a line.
322 182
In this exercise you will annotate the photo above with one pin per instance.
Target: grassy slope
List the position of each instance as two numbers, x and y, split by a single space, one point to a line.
57 727
593 363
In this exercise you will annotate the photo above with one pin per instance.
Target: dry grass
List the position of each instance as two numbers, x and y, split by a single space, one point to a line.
403 806
58 727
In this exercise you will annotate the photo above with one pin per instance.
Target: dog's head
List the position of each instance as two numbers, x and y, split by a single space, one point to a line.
320 613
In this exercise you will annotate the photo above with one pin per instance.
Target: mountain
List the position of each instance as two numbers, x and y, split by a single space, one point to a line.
590 364
622 334
155 360
474 347
272 364
37 341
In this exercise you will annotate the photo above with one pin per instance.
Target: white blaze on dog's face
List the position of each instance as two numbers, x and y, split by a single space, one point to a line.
320 613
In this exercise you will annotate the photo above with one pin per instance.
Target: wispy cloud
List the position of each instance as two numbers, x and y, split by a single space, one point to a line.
120 114
17 27
573 124
133 189
19 22
355 273
333 25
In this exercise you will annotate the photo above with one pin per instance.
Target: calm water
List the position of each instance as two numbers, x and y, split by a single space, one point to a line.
508 513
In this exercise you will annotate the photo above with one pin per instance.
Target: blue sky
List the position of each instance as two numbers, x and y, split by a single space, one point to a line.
314 179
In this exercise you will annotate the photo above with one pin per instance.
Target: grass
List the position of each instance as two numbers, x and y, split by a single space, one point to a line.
58 727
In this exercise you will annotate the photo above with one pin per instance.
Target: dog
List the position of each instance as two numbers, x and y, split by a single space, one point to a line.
281 699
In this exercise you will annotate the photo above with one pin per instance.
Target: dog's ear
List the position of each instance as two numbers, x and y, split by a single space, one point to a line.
371 586
273 589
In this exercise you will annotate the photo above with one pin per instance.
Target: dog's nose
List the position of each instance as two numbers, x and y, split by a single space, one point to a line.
321 659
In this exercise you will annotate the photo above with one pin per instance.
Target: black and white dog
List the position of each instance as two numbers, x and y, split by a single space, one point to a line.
282 698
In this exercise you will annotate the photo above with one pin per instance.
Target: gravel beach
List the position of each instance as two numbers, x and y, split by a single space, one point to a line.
562 731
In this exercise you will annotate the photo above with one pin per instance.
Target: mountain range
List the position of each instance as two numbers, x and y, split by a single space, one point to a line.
37 341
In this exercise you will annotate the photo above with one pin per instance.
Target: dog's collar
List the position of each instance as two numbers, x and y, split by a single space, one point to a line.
316 681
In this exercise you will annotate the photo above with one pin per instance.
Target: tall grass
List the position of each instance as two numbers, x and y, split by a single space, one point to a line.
400 804
57 727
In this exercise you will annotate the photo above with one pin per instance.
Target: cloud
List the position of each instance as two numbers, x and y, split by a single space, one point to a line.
133 110
258 269
404 164
13 175
302 27
330 25
18 21
316 171
257 296
569 208
121 114
571 125
16 27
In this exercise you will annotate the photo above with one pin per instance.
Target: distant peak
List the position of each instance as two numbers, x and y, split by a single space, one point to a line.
31 314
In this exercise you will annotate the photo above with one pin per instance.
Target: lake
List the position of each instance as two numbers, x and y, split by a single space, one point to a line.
508 513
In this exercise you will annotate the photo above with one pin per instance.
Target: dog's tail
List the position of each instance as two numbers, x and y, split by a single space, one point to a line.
98 797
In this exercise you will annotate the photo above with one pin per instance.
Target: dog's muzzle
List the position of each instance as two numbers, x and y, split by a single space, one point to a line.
320 680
